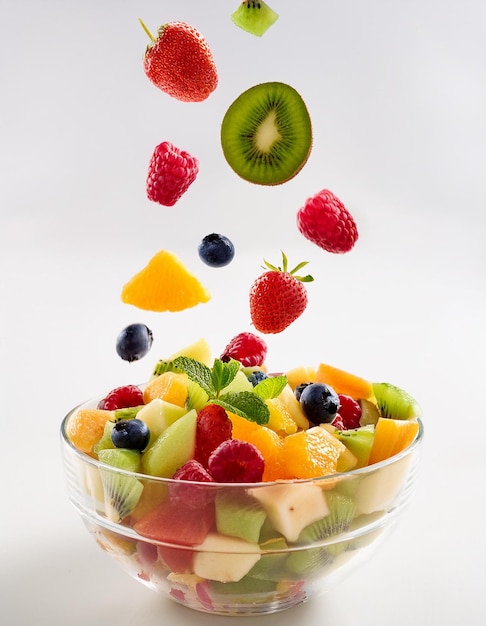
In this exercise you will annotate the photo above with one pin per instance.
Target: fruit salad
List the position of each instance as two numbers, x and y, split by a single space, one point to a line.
218 478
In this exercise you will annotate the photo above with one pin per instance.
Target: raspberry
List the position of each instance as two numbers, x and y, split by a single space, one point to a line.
190 494
325 221
350 412
236 461
247 348
171 171
213 426
338 423
122 398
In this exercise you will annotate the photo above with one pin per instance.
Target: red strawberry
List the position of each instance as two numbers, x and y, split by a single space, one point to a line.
171 171
325 221
246 348
278 298
213 426
180 63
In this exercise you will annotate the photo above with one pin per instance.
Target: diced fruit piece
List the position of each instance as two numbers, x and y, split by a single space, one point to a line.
301 374
312 453
266 134
239 515
291 507
85 427
236 461
247 348
187 490
239 383
158 415
216 250
213 426
121 398
369 413
241 427
225 559
122 492
350 411
395 403
173 523
153 494
270 445
164 284
169 386
199 350
359 441
319 402
391 437
132 434
174 447
344 382
254 17
280 420
105 441
288 398
134 342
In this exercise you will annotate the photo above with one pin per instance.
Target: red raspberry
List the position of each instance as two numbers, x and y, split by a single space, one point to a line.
325 221
213 426
190 494
170 173
338 423
236 461
122 398
246 348
349 411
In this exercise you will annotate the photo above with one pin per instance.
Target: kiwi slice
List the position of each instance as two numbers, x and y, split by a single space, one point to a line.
255 17
395 403
341 513
266 134
122 492
239 515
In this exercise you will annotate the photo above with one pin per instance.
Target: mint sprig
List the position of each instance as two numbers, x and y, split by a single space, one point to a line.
214 380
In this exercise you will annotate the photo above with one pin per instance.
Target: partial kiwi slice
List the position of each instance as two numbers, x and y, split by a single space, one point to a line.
266 134
122 492
255 17
341 513
395 403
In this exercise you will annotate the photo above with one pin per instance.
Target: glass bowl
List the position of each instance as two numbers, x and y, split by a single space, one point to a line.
239 549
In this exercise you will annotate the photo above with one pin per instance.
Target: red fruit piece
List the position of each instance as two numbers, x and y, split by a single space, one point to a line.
179 62
349 411
338 423
122 398
213 426
236 461
170 173
188 492
247 348
325 221
278 298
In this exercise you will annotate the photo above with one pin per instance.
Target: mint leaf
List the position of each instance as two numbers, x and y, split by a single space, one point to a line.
223 373
196 371
270 387
245 404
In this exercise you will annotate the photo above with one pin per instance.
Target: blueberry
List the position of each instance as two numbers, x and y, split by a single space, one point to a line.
134 342
216 250
256 377
299 389
133 434
319 403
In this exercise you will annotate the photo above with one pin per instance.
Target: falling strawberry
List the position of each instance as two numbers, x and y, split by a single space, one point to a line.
325 221
278 297
170 173
179 62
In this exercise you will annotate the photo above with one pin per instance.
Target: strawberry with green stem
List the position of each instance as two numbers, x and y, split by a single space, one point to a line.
278 297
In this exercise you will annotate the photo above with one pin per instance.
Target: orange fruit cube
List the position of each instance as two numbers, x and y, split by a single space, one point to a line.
391 437
164 284
169 386
312 453
270 444
85 428
301 374
343 382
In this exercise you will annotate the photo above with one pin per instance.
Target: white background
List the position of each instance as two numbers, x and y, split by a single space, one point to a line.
397 95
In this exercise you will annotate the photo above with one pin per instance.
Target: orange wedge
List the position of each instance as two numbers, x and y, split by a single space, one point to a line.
343 382
164 284
391 437
312 453
169 386
86 427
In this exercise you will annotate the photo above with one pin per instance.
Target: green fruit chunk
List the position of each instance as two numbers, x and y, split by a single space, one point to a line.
239 515
358 441
172 448
266 134
395 403
254 17
122 492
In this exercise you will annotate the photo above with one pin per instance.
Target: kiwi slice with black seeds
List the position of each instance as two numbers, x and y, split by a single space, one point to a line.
254 16
395 403
266 134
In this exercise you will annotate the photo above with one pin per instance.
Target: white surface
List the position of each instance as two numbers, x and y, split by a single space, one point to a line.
397 94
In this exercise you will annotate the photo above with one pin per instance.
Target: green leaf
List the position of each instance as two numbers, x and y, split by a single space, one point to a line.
270 387
198 372
245 404
223 373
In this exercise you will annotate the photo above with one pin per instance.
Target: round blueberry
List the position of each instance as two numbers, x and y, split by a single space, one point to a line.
319 403
133 434
299 389
216 250
134 342
256 377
